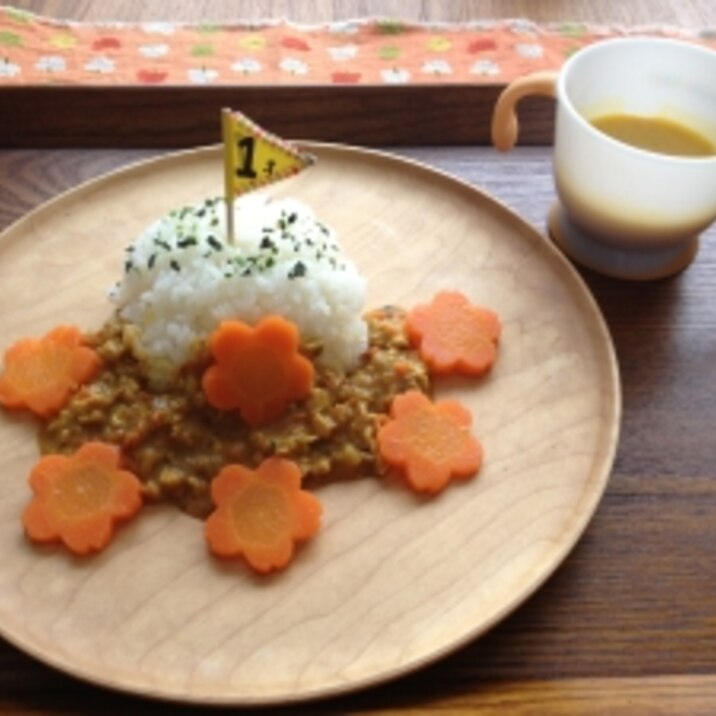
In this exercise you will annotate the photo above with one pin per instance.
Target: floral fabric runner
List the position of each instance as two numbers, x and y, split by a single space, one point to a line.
37 50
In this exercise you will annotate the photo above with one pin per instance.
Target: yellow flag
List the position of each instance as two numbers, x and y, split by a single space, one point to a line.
253 157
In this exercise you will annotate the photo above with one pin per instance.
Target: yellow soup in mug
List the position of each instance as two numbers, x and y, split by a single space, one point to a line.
655 134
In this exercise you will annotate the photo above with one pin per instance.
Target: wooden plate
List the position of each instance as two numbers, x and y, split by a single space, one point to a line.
392 582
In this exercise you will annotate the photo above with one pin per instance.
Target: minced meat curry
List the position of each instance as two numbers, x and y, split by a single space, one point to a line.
175 442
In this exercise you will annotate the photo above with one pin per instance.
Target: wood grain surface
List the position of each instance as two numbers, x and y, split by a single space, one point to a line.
184 117
393 582
693 13
626 625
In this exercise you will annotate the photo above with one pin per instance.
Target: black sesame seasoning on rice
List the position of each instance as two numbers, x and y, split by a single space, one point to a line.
298 270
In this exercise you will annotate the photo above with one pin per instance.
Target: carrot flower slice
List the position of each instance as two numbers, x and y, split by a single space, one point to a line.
41 374
430 443
453 335
79 498
258 371
261 513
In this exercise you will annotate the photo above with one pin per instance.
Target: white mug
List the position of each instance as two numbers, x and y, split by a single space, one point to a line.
626 211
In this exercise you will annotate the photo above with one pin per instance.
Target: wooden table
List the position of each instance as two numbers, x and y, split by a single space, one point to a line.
628 623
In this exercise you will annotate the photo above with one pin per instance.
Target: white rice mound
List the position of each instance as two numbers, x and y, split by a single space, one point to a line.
182 278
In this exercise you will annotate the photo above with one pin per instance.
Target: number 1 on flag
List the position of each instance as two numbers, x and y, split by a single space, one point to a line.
253 158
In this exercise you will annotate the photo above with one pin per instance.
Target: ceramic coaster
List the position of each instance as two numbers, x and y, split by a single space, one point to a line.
636 265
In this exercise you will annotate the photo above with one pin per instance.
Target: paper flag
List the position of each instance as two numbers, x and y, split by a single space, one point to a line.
254 157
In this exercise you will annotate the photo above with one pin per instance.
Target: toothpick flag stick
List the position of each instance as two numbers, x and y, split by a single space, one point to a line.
253 158
228 174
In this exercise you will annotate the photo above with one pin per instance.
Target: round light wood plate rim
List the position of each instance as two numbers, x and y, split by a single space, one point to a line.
544 252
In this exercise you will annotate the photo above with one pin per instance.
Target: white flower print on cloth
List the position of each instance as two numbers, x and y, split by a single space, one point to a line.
247 66
9 69
437 67
344 28
485 68
395 76
532 51
343 53
51 63
101 64
524 27
202 75
158 28
294 66
154 51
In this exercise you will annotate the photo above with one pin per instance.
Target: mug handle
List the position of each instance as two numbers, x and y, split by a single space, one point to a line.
505 126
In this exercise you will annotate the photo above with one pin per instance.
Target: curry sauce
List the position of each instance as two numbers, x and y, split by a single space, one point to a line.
175 442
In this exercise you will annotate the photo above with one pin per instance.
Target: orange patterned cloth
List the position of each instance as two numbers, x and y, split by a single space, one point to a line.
37 50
